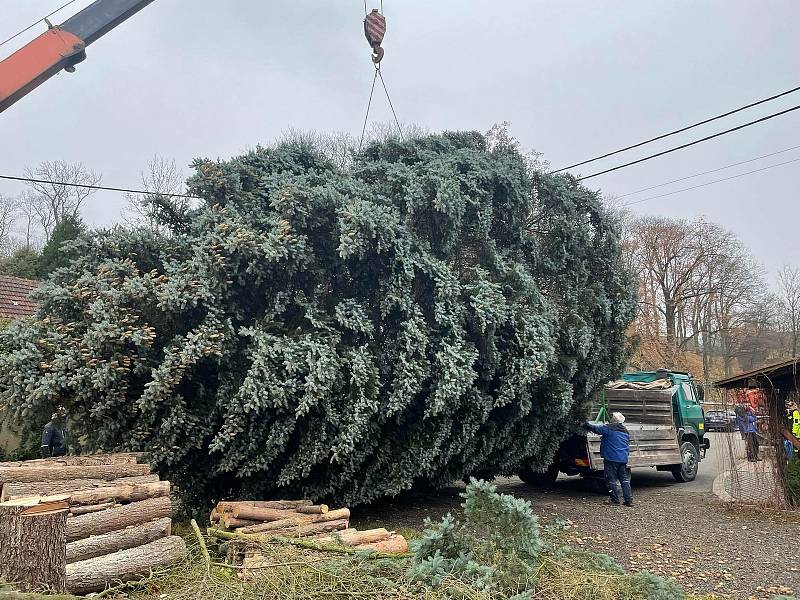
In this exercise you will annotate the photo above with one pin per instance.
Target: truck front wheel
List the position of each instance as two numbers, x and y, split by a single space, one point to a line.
687 470
534 478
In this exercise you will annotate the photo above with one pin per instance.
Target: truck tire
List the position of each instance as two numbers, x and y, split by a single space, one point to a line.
687 470
536 479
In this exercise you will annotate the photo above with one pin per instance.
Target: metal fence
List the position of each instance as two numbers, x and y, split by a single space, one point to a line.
753 467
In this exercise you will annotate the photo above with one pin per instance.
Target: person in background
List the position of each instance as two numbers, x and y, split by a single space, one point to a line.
615 448
54 435
746 422
794 417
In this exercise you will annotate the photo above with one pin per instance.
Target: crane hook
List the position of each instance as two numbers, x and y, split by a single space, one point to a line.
374 30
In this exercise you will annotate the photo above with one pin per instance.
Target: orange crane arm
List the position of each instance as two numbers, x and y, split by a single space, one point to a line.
61 47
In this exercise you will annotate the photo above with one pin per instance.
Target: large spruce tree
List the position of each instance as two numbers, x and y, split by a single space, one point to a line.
434 311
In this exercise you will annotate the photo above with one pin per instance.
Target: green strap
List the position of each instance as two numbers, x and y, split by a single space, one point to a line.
602 414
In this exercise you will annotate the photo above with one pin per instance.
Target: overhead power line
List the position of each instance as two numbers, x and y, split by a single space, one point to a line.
95 187
694 187
682 146
32 25
736 164
681 130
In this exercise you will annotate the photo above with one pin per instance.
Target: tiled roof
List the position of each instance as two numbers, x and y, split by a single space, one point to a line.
14 297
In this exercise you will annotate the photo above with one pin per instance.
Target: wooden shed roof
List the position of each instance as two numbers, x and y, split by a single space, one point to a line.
764 376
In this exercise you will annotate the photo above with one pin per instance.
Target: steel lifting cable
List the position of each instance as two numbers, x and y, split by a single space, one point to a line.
369 105
32 25
396 121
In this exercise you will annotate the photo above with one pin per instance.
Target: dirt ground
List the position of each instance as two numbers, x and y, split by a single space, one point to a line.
707 546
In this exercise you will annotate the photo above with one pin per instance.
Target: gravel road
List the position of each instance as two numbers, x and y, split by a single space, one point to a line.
678 530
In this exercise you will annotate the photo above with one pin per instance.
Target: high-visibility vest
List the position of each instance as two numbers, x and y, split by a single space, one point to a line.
796 423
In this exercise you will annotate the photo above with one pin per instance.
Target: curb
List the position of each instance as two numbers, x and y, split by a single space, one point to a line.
719 487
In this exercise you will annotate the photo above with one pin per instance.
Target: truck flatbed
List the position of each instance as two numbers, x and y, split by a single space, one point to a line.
649 420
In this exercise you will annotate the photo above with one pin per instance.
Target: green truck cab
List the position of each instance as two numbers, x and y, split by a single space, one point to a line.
664 417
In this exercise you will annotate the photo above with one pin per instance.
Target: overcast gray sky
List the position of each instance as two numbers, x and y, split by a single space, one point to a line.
212 78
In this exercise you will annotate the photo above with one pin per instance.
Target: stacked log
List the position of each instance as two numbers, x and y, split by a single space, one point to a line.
117 518
303 519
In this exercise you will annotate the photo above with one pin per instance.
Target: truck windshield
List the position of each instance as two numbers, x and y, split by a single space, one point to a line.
688 391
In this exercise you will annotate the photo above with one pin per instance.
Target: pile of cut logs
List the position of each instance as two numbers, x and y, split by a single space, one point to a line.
81 524
302 519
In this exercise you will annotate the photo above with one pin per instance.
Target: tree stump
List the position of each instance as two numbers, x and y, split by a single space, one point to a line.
33 547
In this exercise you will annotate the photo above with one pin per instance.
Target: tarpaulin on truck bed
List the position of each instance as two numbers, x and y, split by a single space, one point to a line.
621 384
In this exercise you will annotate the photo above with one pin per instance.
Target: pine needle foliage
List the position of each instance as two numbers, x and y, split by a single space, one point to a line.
436 310
494 549
499 549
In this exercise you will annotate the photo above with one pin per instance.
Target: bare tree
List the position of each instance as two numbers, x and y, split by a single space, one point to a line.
499 136
161 179
734 304
667 254
340 147
56 194
789 294
699 290
8 217
28 222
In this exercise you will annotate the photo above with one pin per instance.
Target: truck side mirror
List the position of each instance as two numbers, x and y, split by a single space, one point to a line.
701 393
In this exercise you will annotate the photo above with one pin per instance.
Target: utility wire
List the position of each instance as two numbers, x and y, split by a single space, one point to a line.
397 122
681 130
682 146
32 25
694 187
744 162
94 187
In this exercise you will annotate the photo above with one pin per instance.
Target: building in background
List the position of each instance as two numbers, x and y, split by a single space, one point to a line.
15 303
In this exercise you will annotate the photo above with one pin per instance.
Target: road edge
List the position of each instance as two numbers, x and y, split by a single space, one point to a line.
719 487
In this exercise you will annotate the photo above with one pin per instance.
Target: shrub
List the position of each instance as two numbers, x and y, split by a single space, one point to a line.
494 549
793 480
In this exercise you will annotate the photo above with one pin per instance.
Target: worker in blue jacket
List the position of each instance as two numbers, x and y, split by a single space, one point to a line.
614 448
746 422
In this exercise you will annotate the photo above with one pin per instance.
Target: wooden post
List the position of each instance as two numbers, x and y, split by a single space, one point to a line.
776 406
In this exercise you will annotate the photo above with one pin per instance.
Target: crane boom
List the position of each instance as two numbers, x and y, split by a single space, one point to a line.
61 47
